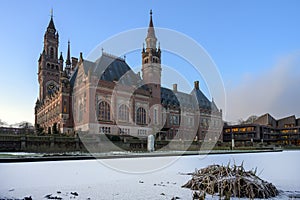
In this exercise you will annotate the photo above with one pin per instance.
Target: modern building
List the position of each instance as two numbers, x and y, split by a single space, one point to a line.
106 96
265 129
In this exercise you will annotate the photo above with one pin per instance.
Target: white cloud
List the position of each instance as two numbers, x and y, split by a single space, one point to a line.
276 91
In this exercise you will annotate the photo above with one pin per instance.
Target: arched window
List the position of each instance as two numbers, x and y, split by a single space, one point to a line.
104 111
51 52
123 113
141 116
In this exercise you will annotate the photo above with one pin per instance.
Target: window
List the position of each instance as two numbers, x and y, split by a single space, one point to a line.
155 116
191 121
142 132
51 52
80 112
104 111
176 120
141 116
123 113
65 106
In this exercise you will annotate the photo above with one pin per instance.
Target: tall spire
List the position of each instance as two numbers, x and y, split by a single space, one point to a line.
151 32
151 39
68 61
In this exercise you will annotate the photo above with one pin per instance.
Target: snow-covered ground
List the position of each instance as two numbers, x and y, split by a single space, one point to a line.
136 178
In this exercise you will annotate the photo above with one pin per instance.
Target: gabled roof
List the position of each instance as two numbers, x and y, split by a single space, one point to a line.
168 98
267 120
180 99
203 101
292 117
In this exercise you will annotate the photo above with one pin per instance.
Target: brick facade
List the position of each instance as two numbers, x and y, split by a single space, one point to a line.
106 96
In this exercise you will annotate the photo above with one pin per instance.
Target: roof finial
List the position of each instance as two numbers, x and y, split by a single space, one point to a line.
81 57
51 23
68 61
151 23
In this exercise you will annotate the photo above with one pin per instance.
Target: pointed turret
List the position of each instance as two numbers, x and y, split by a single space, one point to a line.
51 26
68 61
61 58
151 39
61 62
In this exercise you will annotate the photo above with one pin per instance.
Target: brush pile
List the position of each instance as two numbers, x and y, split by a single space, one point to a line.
226 181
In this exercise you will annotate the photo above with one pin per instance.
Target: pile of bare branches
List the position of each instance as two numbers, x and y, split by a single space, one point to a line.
226 181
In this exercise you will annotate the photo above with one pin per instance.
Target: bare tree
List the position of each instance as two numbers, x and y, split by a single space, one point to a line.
2 123
250 120
25 125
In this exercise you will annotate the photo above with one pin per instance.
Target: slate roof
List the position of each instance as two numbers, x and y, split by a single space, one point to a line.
110 68
203 101
180 99
51 24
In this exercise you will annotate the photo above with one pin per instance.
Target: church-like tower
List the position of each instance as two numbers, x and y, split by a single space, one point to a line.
151 72
49 66
151 57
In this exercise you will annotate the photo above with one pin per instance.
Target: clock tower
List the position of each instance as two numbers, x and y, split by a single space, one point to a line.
49 65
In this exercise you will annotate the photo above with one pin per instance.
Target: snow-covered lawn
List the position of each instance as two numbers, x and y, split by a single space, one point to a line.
136 178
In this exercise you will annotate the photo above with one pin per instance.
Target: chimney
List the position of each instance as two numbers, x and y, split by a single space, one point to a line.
174 87
196 83
80 58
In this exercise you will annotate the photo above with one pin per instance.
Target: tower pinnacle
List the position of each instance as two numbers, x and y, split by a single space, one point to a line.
151 39
68 60
151 22
51 26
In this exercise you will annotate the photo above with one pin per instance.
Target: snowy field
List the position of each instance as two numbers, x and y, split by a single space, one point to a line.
137 178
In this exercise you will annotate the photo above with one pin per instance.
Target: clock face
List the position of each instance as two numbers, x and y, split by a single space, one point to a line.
51 87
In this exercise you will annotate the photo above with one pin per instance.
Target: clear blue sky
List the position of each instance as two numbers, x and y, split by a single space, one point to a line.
246 39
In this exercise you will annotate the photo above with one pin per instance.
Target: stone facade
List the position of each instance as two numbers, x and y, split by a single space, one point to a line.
106 96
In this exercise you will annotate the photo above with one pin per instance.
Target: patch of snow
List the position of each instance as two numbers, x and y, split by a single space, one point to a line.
95 180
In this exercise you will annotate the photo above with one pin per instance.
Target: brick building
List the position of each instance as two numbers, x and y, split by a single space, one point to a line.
106 96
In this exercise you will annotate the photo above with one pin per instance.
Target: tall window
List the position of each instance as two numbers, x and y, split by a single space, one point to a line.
80 114
104 111
123 113
51 52
155 116
141 116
